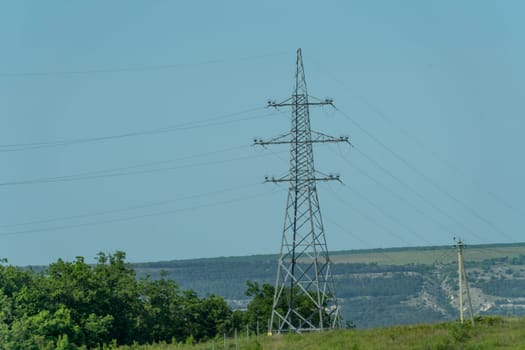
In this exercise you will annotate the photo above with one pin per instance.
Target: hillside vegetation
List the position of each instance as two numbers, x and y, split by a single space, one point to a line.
380 287
489 333
75 305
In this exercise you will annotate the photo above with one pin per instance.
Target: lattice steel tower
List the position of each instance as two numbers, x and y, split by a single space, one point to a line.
305 298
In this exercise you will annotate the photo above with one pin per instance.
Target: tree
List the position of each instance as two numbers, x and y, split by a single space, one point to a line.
73 304
214 315
117 294
259 309
162 315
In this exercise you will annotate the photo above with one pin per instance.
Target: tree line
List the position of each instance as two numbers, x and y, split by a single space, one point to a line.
75 305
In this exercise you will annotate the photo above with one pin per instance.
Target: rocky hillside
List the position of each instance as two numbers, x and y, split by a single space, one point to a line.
379 287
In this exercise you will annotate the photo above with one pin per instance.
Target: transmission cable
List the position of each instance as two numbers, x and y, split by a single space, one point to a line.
385 214
349 232
411 189
144 68
367 216
136 217
453 167
410 166
174 128
425 177
115 172
129 208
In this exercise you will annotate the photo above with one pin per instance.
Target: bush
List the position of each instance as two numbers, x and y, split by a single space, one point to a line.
461 332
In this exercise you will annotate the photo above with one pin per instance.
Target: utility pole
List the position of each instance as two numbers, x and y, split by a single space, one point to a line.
304 267
462 275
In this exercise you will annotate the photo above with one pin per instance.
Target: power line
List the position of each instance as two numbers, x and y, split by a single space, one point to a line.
411 189
432 152
117 172
392 192
112 170
367 217
425 177
349 232
389 216
519 211
129 208
144 68
453 167
174 128
135 217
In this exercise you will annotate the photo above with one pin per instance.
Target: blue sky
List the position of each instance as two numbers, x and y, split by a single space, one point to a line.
430 93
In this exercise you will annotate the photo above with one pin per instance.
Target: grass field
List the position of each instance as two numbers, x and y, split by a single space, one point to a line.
488 334
427 255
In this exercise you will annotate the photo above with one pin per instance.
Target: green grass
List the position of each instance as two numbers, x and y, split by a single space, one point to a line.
427 255
489 333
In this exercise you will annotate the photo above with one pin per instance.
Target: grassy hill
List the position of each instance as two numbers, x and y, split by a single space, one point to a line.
428 255
380 287
489 333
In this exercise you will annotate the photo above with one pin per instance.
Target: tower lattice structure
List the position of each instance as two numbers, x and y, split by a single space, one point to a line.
305 297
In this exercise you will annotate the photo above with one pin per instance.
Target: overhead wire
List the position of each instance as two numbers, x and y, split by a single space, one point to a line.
423 176
453 167
277 155
157 67
136 217
124 209
349 232
517 210
117 172
411 189
391 217
367 216
16 147
432 152
392 192
386 229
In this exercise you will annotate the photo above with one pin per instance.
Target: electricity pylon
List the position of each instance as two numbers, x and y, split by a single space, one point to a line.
305 297
462 275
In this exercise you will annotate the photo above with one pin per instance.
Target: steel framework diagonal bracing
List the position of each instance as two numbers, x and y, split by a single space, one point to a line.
305 297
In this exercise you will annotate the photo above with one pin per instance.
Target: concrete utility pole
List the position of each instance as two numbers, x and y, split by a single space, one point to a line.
462 275
304 267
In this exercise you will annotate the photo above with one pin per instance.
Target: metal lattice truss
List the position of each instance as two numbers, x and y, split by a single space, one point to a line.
305 297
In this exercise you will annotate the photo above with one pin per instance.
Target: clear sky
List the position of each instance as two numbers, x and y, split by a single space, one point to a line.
127 125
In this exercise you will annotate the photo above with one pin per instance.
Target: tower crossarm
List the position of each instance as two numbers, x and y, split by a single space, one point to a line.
325 178
317 137
289 102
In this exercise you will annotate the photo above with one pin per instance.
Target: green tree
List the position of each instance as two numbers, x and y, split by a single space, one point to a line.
74 304
259 309
162 317
40 331
5 315
215 313
117 293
